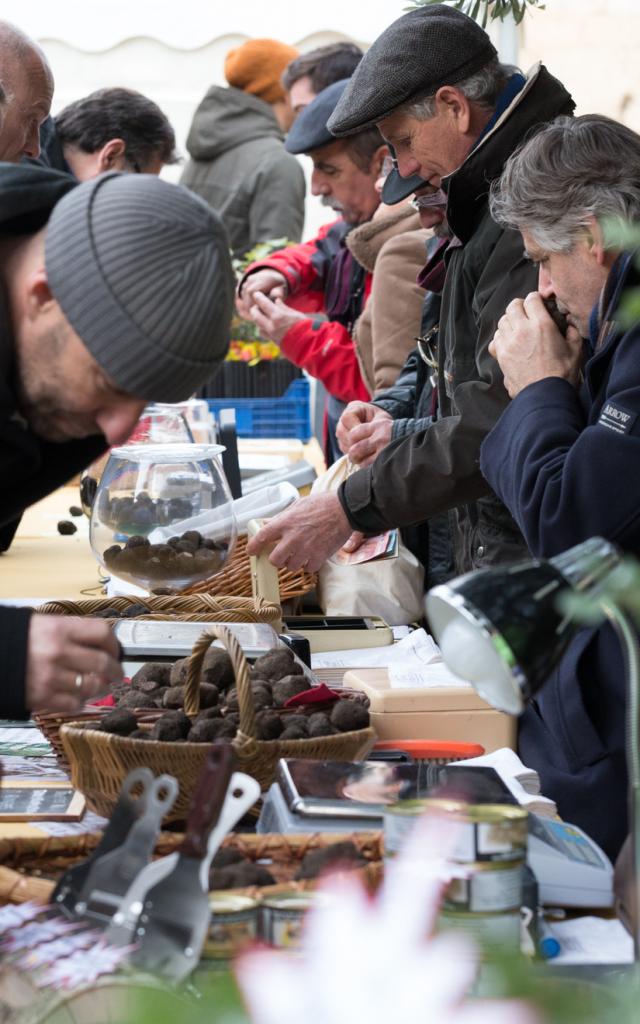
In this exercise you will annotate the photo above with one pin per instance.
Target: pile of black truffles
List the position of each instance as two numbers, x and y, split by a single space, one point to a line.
188 556
143 511
230 870
275 677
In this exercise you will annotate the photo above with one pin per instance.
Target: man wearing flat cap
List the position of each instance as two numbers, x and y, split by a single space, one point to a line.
322 276
453 114
113 292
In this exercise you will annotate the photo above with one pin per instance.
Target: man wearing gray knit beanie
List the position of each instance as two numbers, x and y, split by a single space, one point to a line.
114 292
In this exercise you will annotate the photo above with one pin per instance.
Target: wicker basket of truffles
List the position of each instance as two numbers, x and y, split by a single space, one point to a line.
197 608
213 695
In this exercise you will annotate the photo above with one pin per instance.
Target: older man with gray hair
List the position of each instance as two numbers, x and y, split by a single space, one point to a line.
434 86
27 83
564 455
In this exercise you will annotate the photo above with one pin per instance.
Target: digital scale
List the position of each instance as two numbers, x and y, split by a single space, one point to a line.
324 796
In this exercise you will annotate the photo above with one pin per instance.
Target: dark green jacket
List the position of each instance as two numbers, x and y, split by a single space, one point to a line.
240 167
437 469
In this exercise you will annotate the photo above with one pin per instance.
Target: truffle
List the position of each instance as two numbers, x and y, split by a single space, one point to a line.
173 697
225 856
231 699
178 672
65 526
217 669
183 721
339 856
139 734
293 732
75 510
135 699
208 695
276 664
233 718
166 729
262 698
296 722
320 725
134 610
227 729
240 876
209 713
287 688
268 725
120 722
154 670
206 731
348 715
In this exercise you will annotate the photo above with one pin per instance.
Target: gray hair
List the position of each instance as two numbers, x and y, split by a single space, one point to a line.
572 170
482 88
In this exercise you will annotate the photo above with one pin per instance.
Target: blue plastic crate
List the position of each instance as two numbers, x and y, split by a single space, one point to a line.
287 416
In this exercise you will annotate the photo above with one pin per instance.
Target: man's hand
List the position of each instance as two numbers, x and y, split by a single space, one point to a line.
363 431
265 282
305 534
529 347
273 318
62 652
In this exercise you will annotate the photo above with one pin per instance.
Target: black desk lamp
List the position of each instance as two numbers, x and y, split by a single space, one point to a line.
504 630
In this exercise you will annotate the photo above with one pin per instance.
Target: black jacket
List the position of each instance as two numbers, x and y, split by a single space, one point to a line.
30 467
437 469
565 462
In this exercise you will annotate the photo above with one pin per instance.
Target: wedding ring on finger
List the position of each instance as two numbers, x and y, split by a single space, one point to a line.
78 681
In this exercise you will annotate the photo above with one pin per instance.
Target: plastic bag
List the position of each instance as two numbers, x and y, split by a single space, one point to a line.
392 588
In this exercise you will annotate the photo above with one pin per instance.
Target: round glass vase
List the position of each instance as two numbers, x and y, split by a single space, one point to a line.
163 515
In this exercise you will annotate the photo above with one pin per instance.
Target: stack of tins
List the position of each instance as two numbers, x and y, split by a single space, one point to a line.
488 845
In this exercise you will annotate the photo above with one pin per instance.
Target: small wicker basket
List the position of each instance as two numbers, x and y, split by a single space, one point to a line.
101 761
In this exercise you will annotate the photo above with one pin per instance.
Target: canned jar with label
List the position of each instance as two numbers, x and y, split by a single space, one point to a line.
281 918
480 832
234 925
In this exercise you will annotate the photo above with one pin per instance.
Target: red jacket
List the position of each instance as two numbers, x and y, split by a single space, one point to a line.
323 348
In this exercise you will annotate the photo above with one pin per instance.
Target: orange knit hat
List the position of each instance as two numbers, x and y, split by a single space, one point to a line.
256 67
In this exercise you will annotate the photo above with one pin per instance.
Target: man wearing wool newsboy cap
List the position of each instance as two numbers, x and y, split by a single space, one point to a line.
453 114
113 292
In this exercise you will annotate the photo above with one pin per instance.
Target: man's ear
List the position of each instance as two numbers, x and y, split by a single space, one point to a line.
39 297
379 158
596 241
453 103
112 156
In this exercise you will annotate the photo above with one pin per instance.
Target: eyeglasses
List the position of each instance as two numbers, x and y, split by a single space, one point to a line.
389 164
427 201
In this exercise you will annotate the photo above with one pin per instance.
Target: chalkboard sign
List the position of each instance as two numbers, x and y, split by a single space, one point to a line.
39 801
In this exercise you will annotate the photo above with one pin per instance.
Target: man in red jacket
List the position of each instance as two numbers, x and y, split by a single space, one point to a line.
285 293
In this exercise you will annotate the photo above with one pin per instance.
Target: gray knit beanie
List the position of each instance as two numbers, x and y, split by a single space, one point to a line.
142 272
419 52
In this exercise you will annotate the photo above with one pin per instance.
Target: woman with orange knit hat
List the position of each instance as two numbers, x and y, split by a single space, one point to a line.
236 143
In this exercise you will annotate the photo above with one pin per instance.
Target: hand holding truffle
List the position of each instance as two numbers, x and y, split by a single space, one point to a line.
64 652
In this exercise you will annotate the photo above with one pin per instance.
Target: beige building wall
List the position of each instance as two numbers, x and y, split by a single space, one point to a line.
594 47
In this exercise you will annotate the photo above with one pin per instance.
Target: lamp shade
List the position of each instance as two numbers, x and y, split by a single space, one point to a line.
503 629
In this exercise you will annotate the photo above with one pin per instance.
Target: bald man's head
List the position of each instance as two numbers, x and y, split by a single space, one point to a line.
27 84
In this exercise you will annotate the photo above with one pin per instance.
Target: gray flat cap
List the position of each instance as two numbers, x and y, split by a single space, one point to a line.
309 130
418 53
142 272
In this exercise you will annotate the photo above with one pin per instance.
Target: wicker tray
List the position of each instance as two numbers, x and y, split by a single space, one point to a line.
29 867
195 608
101 761
236 578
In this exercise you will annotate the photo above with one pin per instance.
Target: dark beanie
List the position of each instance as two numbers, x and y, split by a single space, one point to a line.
415 56
141 270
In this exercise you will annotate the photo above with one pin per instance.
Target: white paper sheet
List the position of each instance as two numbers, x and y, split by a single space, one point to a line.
591 940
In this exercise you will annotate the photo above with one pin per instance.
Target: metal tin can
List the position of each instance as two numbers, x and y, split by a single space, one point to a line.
234 924
489 930
281 918
488 888
481 832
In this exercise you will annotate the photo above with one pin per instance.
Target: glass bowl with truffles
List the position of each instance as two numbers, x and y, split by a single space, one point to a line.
163 515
